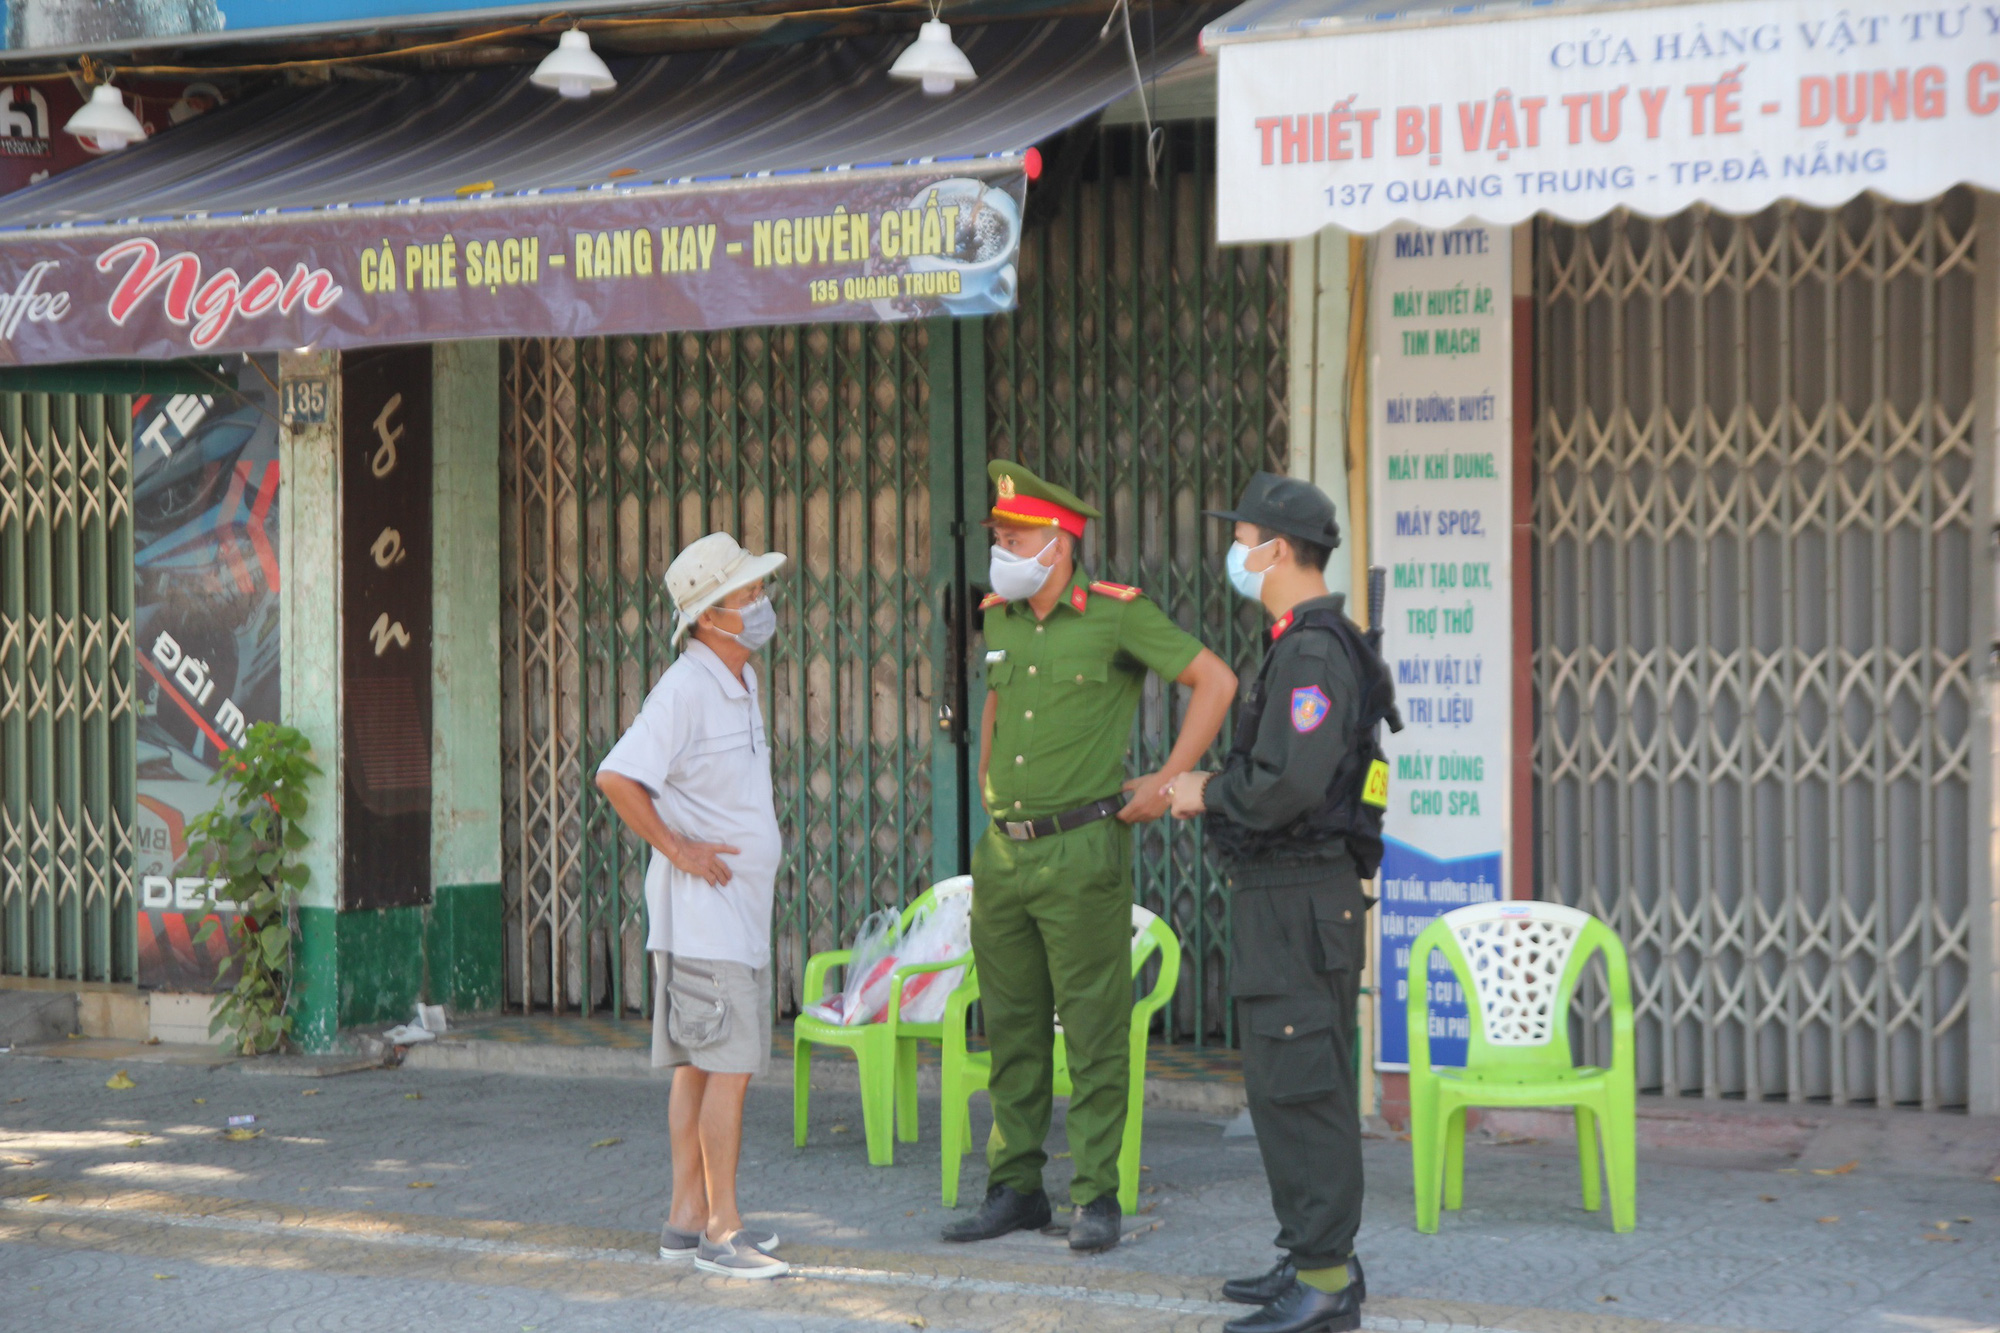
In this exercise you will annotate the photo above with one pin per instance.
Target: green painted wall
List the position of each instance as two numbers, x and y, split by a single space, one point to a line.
316 988
309 622
309 672
368 969
464 948
381 972
465 610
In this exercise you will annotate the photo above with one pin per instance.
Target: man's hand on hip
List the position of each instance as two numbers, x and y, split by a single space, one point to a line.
701 859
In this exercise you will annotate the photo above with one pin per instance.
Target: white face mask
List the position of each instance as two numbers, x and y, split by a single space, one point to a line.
760 622
1019 577
1247 582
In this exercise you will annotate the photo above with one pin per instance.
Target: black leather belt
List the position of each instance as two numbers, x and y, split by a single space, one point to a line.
1027 830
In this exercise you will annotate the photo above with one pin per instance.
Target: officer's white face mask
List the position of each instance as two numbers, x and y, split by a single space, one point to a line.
1019 577
1241 578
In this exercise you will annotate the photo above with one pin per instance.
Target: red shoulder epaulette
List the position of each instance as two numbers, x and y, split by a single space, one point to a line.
1124 592
991 600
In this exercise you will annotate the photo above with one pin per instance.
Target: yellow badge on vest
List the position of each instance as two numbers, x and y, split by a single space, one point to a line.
1375 791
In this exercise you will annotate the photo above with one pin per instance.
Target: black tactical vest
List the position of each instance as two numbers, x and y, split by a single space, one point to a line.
1358 795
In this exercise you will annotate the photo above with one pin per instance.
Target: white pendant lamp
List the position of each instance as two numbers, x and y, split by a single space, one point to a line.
573 69
105 121
934 59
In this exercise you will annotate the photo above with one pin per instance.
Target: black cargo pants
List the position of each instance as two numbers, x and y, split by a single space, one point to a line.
1297 950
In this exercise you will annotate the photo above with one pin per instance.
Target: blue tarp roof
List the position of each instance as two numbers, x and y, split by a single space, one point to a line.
699 120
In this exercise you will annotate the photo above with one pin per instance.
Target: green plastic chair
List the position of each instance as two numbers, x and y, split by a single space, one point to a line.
886 1051
967 1071
1518 964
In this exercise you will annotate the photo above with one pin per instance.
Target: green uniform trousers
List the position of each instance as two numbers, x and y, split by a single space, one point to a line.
1297 948
1052 936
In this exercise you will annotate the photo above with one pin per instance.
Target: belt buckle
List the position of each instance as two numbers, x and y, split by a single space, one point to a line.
1020 831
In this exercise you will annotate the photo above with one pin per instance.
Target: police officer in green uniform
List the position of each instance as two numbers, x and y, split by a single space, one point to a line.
1295 817
1066 659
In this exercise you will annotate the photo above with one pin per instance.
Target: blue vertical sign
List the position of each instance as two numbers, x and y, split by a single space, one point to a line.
1440 464
1415 890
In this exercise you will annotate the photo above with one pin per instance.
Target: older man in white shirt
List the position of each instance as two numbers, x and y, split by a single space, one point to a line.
692 776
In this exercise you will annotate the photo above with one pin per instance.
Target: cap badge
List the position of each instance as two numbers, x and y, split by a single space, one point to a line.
1006 487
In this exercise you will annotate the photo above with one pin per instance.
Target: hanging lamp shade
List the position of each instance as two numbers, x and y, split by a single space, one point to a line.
106 121
573 69
933 59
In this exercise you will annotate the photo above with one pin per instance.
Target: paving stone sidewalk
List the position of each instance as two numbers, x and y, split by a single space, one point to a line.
442 1200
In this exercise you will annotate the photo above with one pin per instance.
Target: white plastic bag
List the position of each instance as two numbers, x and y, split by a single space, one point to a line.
942 931
869 964
429 1022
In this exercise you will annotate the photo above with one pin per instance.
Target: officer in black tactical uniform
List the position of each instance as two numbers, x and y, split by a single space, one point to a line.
1295 816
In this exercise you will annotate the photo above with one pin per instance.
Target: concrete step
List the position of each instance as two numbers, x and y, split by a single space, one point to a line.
31 1017
1818 1137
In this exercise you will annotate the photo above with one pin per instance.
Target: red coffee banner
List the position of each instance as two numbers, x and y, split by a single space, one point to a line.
876 245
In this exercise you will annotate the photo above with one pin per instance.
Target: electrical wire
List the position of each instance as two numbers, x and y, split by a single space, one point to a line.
1155 135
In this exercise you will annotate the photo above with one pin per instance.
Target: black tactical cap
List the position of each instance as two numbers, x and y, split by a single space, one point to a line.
1287 505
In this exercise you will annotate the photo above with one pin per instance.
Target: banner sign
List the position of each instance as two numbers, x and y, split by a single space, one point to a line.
1648 108
1440 468
205 591
838 246
385 626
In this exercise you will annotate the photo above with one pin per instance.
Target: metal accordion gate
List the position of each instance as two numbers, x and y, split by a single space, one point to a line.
1144 366
1754 559
67 724
617 452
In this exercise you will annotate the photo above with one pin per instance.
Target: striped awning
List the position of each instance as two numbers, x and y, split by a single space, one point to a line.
756 185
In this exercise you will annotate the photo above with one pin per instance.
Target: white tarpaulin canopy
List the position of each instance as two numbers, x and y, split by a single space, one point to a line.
1357 115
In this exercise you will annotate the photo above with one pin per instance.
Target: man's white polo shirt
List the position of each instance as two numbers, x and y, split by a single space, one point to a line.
698 746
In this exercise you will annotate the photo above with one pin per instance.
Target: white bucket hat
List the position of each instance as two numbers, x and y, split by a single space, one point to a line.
708 570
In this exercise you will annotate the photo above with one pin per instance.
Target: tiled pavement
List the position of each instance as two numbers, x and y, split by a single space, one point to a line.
540 1198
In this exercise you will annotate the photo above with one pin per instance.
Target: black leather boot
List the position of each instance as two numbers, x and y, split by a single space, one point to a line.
1267 1287
1302 1309
1005 1210
1096 1225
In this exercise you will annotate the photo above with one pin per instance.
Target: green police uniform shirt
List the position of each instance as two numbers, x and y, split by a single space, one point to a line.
1067 688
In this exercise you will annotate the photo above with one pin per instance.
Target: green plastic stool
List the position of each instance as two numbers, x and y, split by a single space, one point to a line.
1518 964
967 1071
886 1051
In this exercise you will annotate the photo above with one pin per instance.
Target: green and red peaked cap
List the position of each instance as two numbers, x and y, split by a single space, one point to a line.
1025 500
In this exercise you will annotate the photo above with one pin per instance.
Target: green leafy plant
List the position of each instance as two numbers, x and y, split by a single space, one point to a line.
247 845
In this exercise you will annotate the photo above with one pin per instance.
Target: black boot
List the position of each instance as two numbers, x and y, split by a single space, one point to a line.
1267 1287
1005 1210
1302 1309
1095 1227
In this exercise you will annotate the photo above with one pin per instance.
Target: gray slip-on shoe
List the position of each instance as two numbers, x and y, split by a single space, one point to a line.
737 1257
677 1245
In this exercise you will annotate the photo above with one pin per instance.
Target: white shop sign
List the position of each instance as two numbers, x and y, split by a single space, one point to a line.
1652 109
1440 469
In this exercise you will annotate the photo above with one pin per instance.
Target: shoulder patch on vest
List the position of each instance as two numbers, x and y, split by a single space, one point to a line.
1124 592
991 600
1309 708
